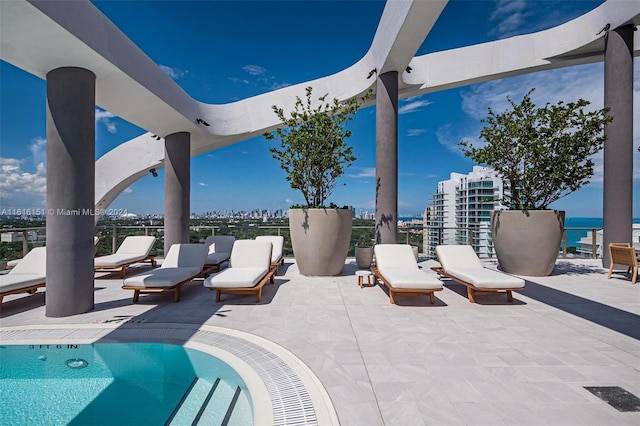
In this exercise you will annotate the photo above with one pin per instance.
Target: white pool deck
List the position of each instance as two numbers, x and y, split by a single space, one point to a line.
452 363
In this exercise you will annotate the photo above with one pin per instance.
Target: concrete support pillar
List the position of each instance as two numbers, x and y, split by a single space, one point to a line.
618 148
387 158
177 187
70 191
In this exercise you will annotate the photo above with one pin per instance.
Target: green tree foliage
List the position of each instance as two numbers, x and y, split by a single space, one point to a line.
542 153
313 151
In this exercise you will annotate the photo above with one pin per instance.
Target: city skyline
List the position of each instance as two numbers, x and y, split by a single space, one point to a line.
276 48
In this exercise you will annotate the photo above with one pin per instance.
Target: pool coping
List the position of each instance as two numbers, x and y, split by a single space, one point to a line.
283 389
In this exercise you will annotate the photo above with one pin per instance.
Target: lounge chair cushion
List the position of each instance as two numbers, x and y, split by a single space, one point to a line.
34 263
458 257
138 244
185 256
162 277
411 278
395 256
215 258
117 259
236 277
277 242
220 243
486 278
462 262
9 282
250 262
251 254
30 271
133 249
13 263
397 264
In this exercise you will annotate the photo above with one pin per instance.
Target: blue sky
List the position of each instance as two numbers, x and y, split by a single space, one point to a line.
221 51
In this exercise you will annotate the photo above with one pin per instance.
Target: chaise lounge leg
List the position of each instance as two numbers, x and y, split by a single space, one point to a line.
176 294
470 295
136 296
509 296
432 298
391 298
217 295
259 295
122 271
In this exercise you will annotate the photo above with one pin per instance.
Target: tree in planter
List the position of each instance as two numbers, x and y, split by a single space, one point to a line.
313 151
542 153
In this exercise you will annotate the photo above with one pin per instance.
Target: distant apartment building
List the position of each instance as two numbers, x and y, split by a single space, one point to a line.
586 244
460 211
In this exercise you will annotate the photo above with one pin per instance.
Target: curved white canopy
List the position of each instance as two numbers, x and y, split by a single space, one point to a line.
39 36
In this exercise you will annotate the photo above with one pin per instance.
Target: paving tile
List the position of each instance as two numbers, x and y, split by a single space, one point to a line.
455 363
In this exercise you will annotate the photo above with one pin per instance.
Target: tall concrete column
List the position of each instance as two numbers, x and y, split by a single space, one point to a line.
70 191
618 148
387 158
177 189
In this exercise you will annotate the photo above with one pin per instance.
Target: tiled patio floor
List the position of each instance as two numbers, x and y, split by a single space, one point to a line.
452 363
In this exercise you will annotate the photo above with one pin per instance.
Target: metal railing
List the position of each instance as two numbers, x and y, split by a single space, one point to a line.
111 236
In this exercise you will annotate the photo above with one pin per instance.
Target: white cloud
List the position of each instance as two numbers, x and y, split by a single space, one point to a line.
19 188
415 132
566 84
365 172
412 105
254 69
174 73
288 201
202 184
508 16
128 190
263 77
104 117
238 80
38 149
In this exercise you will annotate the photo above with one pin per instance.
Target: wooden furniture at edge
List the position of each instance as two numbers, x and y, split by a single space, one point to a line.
623 254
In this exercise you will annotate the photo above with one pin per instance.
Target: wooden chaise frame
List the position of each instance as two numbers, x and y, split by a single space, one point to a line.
150 258
175 289
257 289
28 289
274 268
472 290
393 291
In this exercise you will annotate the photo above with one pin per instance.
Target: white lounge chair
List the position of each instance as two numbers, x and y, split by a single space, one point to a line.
461 264
12 263
27 276
248 271
134 249
398 269
277 258
220 248
183 263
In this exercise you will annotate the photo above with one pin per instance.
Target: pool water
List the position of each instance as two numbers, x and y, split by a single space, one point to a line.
119 384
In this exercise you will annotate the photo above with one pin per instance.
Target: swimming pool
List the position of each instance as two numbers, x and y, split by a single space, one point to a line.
119 383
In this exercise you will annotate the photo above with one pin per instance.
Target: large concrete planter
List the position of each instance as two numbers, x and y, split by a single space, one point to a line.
364 257
320 239
527 242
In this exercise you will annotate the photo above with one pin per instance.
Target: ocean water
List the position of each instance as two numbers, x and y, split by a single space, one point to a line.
587 223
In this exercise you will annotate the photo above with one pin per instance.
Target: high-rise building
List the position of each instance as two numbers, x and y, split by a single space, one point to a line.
460 211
